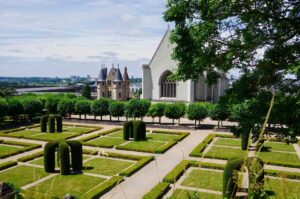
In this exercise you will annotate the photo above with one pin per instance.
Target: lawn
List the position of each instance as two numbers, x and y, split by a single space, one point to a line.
228 142
22 175
224 153
279 157
144 146
108 142
40 161
118 134
205 179
185 194
106 166
277 146
283 188
59 185
8 149
161 137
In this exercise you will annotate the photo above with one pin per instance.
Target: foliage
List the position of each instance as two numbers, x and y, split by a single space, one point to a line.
76 154
219 112
86 92
82 107
255 168
51 123
49 156
51 104
127 130
158 191
137 108
59 123
66 106
175 110
7 91
32 106
14 108
157 110
64 158
139 130
100 107
43 123
198 111
116 109
230 176
3 108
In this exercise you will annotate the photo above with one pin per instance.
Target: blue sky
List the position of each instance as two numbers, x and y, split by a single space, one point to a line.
74 37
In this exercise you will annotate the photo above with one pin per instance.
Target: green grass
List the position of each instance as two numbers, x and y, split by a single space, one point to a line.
106 142
8 149
161 137
118 134
279 157
276 146
185 194
224 153
144 146
40 161
206 179
22 175
228 142
105 166
283 188
75 185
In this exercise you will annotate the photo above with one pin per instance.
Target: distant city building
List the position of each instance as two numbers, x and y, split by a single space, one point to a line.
134 87
158 87
113 85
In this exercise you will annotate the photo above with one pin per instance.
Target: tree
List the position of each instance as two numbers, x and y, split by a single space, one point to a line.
7 91
32 106
14 108
100 107
51 104
137 108
3 108
198 111
82 107
175 111
157 110
86 92
116 109
218 112
66 106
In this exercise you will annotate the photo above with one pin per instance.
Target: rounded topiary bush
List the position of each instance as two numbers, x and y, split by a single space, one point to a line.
127 130
76 154
59 124
49 156
43 123
139 130
51 124
64 157
229 178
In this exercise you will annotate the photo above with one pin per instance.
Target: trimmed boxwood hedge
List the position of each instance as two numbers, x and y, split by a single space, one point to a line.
166 146
49 156
64 157
31 157
282 174
51 123
76 154
197 151
59 124
26 147
158 191
127 130
43 123
8 164
229 186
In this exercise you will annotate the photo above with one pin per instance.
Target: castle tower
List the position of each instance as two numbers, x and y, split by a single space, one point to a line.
118 84
126 87
101 83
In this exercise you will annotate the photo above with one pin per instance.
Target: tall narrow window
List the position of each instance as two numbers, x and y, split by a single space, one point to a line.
167 86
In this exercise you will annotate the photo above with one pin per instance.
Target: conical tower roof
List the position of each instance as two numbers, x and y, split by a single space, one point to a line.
118 76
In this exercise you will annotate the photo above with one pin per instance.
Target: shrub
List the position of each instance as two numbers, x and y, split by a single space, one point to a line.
127 130
51 104
175 110
32 106
64 157
139 130
137 108
51 123
137 166
31 157
197 151
3 108
59 123
86 92
14 108
116 109
100 107
219 112
65 107
158 191
157 110
76 154
43 122
82 107
49 156
198 111
255 168
229 180
8 164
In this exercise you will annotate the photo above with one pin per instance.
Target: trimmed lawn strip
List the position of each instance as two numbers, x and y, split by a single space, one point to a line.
185 194
280 159
278 146
105 142
282 174
283 188
22 175
228 142
205 179
142 146
217 152
14 150
60 185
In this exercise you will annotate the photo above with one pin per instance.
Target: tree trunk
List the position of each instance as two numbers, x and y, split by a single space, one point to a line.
95 117
195 124
85 116
159 119
101 117
173 121
126 119
218 123
110 118
178 121
80 116
153 120
118 119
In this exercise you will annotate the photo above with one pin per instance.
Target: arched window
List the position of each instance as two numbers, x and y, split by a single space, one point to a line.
167 86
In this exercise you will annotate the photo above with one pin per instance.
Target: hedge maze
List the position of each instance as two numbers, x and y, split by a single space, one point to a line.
64 149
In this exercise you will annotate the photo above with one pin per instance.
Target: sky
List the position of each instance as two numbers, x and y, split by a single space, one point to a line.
62 38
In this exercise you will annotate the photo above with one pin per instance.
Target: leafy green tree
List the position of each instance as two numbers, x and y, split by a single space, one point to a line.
198 111
86 92
32 106
83 107
100 107
14 108
66 106
157 110
7 91
175 111
116 109
219 112
137 108
51 104
3 108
